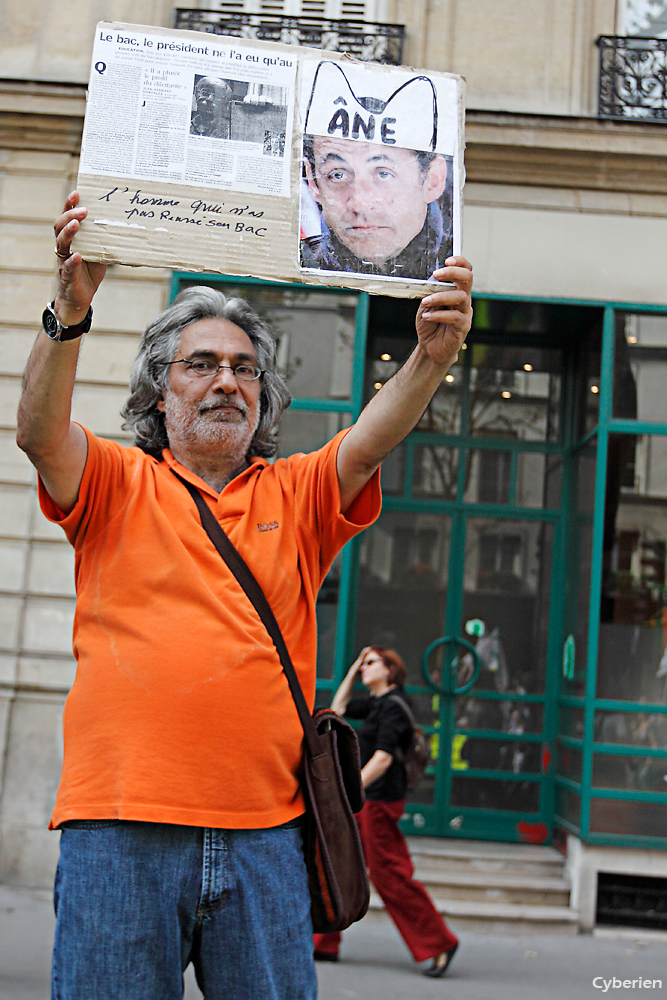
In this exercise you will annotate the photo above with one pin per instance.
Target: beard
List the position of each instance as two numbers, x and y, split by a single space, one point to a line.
195 426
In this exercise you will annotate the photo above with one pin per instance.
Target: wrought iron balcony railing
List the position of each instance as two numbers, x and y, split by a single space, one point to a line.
365 40
633 78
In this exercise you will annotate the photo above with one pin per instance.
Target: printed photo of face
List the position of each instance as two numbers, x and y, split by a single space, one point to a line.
374 198
212 103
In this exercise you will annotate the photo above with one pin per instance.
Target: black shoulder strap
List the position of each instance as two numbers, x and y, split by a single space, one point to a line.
257 598
406 708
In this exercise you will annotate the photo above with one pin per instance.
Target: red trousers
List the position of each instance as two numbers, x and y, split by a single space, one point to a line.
406 901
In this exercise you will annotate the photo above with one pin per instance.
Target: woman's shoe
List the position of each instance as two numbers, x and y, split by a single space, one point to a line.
326 956
441 963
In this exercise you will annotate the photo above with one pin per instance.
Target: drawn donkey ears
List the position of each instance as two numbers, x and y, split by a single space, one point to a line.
409 118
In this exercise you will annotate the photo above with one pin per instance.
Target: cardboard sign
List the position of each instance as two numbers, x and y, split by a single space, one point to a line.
210 153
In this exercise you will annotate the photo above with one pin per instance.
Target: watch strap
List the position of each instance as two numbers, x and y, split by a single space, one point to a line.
56 331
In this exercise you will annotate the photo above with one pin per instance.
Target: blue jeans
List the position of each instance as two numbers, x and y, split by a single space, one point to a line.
137 902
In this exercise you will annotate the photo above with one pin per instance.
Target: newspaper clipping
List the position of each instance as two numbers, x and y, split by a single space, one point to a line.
211 153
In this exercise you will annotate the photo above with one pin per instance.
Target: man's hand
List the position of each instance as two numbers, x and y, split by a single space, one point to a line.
79 279
444 317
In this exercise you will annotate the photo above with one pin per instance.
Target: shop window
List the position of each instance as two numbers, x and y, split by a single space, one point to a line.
633 614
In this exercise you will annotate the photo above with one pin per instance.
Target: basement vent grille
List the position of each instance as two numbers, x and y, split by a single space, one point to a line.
632 901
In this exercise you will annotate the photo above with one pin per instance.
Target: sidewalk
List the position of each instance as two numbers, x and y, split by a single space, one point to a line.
376 966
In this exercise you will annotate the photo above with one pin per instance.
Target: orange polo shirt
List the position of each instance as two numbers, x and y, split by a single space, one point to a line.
180 711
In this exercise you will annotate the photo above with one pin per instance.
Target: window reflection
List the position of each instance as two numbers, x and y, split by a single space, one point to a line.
641 819
508 796
507 577
633 614
515 392
327 613
306 431
403 567
639 774
435 472
640 366
569 762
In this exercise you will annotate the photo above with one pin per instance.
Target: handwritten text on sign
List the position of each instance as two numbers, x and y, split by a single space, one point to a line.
206 215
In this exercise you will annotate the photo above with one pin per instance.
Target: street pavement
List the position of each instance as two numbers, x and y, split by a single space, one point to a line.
375 964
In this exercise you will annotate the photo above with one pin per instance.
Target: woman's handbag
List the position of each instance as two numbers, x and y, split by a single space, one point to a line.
331 778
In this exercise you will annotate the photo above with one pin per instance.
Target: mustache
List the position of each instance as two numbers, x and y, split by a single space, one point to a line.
223 405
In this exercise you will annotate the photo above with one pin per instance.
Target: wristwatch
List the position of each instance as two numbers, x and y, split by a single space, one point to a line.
54 329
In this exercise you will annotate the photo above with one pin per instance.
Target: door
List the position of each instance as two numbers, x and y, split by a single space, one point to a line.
459 573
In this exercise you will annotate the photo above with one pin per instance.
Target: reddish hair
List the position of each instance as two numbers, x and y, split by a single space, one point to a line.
394 663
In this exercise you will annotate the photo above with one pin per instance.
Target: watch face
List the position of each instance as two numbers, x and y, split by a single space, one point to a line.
50 323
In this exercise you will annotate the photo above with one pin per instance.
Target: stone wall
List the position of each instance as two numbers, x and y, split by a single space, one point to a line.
36 563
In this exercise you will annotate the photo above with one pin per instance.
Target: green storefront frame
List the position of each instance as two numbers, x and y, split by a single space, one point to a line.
556 696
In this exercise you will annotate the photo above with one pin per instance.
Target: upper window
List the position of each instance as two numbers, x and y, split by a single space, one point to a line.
643 18
365 10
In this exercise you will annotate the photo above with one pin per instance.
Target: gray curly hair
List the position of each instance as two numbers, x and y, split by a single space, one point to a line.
150 374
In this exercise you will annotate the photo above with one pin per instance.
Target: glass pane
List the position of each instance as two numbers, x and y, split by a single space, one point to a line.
531 481
568 806
506 716
315 333
488 478
507 586
640 366
631 728
435 472
633 613
498 755
571 721
634 819
553 478
403 567
515 392
307 430
485 793
424 794
642 774
569 762
327 612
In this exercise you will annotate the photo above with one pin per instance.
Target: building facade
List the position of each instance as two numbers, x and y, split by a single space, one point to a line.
520 561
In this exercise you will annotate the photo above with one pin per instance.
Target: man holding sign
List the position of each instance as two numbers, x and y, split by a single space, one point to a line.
179 801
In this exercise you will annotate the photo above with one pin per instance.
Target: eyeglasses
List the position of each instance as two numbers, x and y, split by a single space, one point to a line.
200 368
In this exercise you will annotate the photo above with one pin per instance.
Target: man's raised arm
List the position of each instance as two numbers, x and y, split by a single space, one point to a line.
55 446
443 321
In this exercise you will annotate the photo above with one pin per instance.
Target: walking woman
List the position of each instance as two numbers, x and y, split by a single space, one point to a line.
384 735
